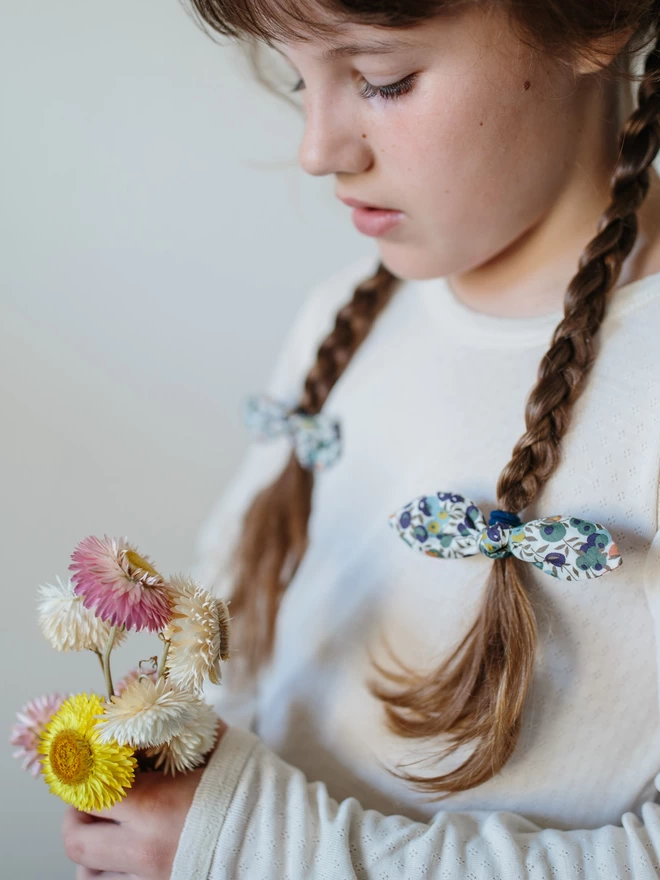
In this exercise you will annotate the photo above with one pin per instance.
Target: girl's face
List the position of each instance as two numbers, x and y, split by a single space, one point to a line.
489 143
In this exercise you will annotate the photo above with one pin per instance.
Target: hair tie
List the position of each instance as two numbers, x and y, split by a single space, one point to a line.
449 526
504 518
316 439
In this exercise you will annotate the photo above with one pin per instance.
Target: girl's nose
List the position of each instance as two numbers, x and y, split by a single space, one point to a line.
334 140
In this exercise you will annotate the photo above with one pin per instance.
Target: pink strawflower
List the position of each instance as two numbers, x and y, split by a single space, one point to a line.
122 587
133 675
32 719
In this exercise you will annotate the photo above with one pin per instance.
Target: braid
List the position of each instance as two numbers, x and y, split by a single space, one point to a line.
352 324
476 697
564 370
478 694
274 535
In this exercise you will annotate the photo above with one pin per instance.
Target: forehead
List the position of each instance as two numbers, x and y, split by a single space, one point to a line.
327 35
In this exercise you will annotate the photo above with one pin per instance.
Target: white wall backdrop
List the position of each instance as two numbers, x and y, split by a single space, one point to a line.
156 238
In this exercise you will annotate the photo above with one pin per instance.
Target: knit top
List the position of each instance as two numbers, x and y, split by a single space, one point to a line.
434 400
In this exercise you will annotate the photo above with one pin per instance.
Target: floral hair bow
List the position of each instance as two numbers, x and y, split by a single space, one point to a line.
316 438
450 526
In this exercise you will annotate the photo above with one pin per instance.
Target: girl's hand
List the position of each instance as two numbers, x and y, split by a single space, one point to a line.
136 838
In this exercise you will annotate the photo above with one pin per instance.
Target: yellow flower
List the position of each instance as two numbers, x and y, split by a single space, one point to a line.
79 768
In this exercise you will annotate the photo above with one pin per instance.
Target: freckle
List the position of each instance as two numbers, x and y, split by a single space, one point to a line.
527 84
481 123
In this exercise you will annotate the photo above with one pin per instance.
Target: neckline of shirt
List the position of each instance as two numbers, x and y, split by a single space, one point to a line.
443 304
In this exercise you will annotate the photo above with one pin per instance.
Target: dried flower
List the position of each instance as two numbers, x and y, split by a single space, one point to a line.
187 750
67 625
133 676
31 722
198 634
121 586
146 714
79 768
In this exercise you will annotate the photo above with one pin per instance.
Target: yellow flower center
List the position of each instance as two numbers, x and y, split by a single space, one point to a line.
71 757
136 561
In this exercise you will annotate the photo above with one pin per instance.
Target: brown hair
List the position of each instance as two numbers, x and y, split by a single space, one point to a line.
477 695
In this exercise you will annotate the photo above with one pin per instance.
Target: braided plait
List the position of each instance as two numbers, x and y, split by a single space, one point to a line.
476 697
352 324
478 694
274 539
564 370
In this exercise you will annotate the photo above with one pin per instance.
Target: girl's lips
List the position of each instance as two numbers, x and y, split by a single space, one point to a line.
356 203
376 222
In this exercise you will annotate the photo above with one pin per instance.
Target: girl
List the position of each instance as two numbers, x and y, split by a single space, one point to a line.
486 708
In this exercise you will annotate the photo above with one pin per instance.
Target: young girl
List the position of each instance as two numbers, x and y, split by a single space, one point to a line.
488 707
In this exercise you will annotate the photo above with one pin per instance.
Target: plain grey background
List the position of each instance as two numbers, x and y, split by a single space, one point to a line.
157 238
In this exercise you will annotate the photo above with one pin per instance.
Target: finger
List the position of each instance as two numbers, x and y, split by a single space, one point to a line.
95 844
121 810
129 806
87 874
83 873
74 819
85 818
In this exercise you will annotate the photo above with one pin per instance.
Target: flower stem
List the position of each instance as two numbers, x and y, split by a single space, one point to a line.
106 662
161 665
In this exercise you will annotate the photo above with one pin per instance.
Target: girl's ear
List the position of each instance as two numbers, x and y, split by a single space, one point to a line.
600 53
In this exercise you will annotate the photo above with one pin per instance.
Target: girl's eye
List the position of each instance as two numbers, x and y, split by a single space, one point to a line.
396 90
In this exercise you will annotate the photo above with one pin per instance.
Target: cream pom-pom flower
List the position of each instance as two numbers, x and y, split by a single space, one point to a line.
67 625
198 634
146 714
187 750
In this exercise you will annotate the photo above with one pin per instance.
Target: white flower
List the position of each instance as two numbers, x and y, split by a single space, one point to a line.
188 749
134 674
67 625
198 635
146 714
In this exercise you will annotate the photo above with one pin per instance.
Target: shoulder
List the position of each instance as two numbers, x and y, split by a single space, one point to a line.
317 314
634 312
315 317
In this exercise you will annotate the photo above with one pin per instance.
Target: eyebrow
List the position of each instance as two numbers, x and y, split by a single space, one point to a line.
374 47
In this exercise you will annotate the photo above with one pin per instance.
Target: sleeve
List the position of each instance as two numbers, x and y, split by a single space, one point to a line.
262 462
255 817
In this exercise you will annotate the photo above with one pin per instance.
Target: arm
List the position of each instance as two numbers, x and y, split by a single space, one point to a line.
260 465
255 817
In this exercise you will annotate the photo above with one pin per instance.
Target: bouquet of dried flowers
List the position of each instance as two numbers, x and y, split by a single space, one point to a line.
89 746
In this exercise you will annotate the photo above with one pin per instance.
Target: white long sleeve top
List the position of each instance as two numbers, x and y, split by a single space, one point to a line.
434 399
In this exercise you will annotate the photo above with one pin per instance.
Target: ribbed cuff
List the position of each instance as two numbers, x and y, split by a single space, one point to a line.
210 805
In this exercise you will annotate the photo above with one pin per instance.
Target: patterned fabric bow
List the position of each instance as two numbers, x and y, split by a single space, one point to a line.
316 438
450 526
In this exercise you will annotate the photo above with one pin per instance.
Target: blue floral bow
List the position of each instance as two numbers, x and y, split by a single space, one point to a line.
316 438
450 526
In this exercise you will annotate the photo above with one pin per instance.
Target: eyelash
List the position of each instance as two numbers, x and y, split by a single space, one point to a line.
388 93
